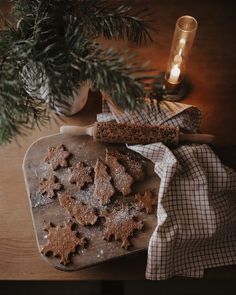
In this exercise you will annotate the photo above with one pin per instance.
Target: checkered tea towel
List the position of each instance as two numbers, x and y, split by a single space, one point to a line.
196 211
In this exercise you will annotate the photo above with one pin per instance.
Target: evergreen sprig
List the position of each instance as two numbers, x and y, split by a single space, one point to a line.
48 48
113 20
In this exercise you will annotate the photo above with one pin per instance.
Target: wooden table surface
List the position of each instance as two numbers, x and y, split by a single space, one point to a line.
212 70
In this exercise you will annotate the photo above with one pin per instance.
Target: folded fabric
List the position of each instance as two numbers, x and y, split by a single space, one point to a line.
196 211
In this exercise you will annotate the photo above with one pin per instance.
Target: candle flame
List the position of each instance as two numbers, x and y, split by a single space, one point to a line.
182 42
174 74
175 70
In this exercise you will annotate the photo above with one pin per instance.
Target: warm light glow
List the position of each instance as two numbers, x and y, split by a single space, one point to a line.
178 58
182 42
174 75
185 31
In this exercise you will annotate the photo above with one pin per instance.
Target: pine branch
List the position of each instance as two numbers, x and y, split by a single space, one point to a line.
67 61
19 112
113 77
111 72
21 8
47 51
113 20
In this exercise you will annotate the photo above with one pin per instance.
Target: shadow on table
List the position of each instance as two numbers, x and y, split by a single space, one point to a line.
169 287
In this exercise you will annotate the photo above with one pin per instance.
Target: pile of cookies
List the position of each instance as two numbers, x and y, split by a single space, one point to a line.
111 179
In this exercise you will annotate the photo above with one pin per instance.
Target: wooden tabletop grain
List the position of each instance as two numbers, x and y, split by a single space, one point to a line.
212 71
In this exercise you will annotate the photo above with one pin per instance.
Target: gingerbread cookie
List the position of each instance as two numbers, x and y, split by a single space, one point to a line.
50 186
61 242
145 202
132 166
120 224
121 180
83 214
103 190
57 156
80 175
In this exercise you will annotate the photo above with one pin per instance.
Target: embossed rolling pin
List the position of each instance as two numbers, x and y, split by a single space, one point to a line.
112 132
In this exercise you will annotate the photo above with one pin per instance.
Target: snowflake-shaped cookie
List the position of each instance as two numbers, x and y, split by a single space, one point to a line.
57 156
49 186
80 175
62 241
120 224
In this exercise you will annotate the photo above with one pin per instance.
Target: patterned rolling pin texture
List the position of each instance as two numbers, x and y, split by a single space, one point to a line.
112 132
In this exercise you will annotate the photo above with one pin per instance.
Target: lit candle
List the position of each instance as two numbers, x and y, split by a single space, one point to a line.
185 31
182 42
174 75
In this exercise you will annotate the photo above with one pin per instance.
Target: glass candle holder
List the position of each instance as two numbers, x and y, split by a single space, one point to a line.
185 31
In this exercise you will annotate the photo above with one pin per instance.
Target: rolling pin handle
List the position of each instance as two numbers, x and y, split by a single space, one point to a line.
196 138
77 130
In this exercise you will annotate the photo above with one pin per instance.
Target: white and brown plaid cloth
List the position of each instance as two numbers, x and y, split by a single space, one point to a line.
196 211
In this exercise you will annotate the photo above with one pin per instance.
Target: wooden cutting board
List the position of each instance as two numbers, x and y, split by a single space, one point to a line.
46 210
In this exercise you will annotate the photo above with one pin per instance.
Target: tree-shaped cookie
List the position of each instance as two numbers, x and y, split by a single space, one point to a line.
103 190
120 224
61 242
121 180
80 175
132 166
83 214
57 156
50 186
145 202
